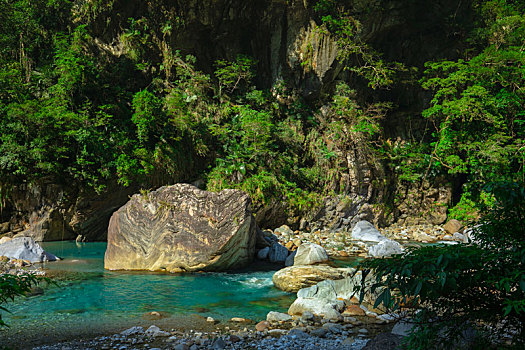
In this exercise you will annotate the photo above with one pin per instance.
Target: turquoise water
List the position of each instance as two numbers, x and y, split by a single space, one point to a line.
88 297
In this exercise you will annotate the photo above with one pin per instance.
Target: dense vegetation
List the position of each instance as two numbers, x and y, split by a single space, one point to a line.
75 112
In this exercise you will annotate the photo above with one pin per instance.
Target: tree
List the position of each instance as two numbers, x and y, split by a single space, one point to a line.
448 289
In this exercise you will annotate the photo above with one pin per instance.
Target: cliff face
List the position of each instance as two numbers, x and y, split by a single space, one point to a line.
288 42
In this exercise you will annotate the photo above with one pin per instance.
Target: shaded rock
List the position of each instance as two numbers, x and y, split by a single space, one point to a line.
298 334
260 239
365 231
385 248
453 226
181 228
263 253
290 259
4 227
274 316
219 343
294 278
319 332
403 328
309 254
384 341
277 253
25 248
329 309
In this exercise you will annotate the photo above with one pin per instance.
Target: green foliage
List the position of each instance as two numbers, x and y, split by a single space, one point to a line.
235 75
455 285
478 102
359 57
465 210
12 286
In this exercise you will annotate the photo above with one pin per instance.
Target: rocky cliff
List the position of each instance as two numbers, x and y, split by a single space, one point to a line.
288 41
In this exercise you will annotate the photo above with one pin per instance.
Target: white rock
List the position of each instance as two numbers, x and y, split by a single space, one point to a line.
385 249
365 231
155 331
309 254
278 317
25 248
329 309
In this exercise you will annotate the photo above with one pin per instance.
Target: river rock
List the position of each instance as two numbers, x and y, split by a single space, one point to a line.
293 278
453 226
276 317
182 228
310 254
329 309
277 253
154 331
384 341
365 231
25 248
385 249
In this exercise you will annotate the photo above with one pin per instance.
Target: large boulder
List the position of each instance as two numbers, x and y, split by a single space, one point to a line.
25 248
365 231
294 278
182 228
309 254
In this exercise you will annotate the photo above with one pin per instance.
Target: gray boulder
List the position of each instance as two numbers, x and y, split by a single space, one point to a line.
310 254
182 228
385 249
277 253
365 231
25 248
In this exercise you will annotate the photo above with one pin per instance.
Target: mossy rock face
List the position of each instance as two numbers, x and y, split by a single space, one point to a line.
181 228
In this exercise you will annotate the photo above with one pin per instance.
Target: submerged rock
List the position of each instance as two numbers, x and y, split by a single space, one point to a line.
181 228
25 248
